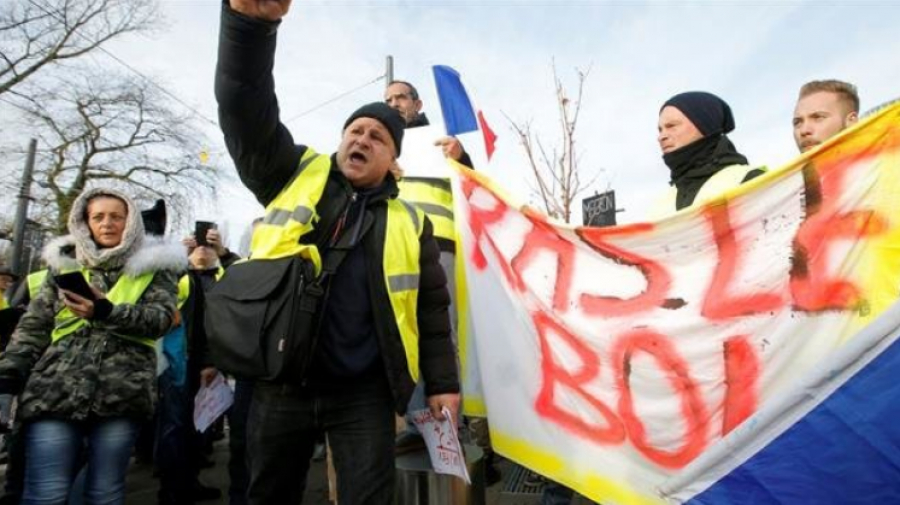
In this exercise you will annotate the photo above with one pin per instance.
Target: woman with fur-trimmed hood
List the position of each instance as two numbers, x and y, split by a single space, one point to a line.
87 369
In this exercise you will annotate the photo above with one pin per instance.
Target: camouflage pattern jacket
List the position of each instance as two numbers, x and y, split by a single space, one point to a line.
91 372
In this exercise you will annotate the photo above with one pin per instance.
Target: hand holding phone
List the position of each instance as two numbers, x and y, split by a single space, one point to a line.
200 230
76 283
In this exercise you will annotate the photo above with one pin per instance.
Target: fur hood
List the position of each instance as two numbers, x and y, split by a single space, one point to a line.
155 254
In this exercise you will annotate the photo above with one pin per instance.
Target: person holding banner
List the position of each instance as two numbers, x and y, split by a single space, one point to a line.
404 97
702 160
823 109
385 313
434 196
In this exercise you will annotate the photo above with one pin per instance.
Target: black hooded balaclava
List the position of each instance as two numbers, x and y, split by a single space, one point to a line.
692 165
709 113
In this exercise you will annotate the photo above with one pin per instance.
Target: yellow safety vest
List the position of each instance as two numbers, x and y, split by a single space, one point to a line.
292 214
35 281
434 196
3 303
729 177
128 289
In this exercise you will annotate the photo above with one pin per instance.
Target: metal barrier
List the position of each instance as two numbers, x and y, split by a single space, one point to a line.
418 484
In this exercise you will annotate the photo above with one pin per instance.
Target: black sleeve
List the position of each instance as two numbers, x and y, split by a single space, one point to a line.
465 159
228 258
260 145
198 343
753 174
438 361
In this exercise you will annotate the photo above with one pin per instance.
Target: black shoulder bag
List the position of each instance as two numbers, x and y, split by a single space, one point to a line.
262 316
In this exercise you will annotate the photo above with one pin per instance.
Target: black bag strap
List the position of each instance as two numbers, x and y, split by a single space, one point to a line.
332 257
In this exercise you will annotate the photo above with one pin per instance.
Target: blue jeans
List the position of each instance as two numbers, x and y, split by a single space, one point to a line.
53 451
283 427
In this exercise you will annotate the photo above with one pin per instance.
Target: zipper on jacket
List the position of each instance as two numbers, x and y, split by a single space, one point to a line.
322 289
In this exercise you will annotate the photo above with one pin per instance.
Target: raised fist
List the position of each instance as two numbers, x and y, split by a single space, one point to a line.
269 10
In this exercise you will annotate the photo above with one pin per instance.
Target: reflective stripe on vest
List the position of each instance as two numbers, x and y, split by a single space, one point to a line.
35 281
435 198
128 289
292 213
405 223
729 177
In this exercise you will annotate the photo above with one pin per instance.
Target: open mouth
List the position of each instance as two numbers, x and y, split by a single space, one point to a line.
357 157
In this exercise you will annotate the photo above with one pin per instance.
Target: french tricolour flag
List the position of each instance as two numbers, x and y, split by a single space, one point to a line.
459 115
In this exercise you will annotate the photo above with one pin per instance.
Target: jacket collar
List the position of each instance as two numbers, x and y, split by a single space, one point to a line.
155 254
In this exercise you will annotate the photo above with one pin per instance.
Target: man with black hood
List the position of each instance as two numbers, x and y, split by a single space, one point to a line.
702 160
384 317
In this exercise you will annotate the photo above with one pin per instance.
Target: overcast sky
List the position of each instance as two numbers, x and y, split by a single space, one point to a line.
754 54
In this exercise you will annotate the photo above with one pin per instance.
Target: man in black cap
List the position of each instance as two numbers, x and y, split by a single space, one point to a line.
385 311
702 160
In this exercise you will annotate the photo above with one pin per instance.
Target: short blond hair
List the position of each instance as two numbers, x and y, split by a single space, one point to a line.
844 90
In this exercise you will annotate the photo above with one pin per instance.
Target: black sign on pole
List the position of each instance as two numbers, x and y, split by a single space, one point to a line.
599 210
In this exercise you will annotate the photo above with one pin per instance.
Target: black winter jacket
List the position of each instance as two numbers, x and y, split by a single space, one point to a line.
266 157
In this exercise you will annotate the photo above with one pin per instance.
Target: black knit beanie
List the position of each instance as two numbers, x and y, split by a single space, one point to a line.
389 117
709 113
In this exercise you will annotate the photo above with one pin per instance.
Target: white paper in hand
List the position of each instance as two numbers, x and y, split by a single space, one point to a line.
421 158
443 443
211 402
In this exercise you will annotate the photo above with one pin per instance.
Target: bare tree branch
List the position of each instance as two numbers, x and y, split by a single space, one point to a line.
556 171
118 132
36 33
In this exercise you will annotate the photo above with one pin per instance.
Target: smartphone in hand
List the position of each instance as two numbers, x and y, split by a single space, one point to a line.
200 229
76 283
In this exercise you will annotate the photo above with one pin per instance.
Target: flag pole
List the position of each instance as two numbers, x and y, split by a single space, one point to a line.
389 71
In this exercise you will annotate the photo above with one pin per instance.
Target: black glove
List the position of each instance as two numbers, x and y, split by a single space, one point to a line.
9 386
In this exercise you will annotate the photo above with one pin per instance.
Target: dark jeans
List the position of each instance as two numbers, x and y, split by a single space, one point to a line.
173 457
238 468
285 421
556 494
53 456
15 467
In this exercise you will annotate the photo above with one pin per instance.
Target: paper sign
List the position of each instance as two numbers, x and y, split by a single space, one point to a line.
211 402
443 443
421 158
